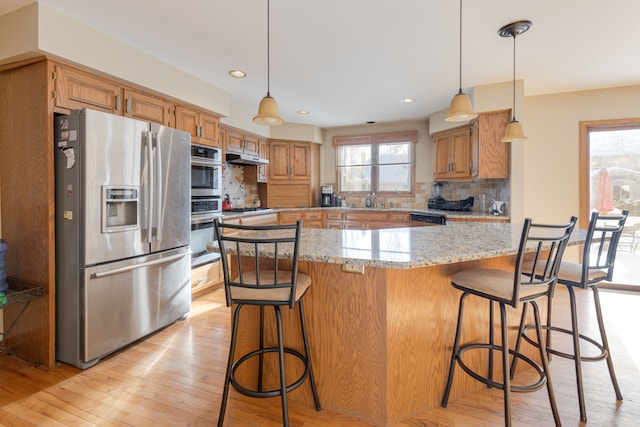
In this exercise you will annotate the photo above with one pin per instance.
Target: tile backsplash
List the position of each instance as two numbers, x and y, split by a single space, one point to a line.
245 194
242 194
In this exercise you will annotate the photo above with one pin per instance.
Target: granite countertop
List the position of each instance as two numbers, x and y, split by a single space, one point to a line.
412 247
448 214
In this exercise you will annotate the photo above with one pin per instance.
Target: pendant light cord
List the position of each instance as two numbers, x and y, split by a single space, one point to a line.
268 53
460 50
514 77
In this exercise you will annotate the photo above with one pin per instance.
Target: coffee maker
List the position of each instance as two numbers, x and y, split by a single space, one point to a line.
326 193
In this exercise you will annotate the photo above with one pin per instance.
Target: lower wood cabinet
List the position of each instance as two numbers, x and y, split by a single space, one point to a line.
206 278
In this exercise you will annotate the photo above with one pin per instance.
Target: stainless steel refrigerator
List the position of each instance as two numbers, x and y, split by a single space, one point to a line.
122 232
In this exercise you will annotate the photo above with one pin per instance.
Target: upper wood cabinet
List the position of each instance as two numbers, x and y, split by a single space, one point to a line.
74 89
146 107
475 150
203 127
490 157
453 154
263 170
289 160
240 142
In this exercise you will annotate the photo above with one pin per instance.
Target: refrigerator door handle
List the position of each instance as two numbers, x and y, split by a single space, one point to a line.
136 266
157 190
151 192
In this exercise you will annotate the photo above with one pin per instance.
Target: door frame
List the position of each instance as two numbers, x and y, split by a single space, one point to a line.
585 177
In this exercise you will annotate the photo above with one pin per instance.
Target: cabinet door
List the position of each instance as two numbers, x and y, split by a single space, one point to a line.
290 217
442 156
300 160
461 154
148 108
205 278
490 156
263 154
278 160
250 145
209 130
76 89
187 120
234 141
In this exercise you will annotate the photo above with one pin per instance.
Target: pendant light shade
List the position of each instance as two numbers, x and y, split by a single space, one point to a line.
268 108
268 112
514 129
460 109
513 132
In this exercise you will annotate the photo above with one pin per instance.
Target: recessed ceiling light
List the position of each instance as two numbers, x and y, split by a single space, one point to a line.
407 100
303 112
238 74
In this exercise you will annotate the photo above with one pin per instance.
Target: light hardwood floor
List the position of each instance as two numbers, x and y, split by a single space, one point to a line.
174 378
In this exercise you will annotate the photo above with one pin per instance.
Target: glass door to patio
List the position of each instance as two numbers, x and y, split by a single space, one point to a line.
614 186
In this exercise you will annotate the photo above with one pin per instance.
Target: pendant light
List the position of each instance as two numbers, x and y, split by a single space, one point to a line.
514 129
268 108
460 109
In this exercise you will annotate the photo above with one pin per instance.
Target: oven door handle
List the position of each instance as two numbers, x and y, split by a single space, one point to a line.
195 219
200 161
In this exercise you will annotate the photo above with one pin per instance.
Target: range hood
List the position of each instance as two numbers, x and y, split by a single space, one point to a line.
245 159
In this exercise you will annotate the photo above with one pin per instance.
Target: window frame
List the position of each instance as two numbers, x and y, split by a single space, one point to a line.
375 140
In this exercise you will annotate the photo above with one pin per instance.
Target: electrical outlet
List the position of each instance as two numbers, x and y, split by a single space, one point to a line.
353 268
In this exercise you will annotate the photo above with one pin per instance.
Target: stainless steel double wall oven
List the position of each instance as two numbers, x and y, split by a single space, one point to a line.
206 200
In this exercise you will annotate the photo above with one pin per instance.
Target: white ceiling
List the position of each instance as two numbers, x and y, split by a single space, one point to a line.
352 61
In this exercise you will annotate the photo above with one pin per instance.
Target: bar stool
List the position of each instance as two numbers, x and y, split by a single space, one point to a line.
541 243
598 260
257 279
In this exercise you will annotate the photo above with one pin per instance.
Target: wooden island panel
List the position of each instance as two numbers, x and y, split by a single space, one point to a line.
381 341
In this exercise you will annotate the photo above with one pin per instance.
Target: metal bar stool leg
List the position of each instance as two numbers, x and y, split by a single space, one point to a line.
545 364
227 379
454 353
491 342
576 353
506 381
516 349
283 381
303 327
605 342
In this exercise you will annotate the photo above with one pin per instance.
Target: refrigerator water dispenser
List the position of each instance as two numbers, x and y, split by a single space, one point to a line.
120 209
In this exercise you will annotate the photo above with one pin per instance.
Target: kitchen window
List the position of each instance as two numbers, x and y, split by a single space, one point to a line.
376 163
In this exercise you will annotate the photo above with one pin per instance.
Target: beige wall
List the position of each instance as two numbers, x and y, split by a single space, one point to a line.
551 181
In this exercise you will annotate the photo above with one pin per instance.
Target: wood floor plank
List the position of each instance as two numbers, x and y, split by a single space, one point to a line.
174 378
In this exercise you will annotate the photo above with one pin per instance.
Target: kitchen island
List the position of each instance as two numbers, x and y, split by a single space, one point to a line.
381 314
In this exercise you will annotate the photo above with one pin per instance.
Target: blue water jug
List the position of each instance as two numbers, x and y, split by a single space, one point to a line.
3 272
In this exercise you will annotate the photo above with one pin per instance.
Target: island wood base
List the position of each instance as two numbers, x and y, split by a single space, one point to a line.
381 341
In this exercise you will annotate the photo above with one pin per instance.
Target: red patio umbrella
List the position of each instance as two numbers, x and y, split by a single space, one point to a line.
604 197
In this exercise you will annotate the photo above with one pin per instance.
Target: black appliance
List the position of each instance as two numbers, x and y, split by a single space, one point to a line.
441 204
427 218
249 209
326 198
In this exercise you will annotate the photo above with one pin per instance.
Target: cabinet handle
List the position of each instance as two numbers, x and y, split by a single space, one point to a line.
118 102
128 104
